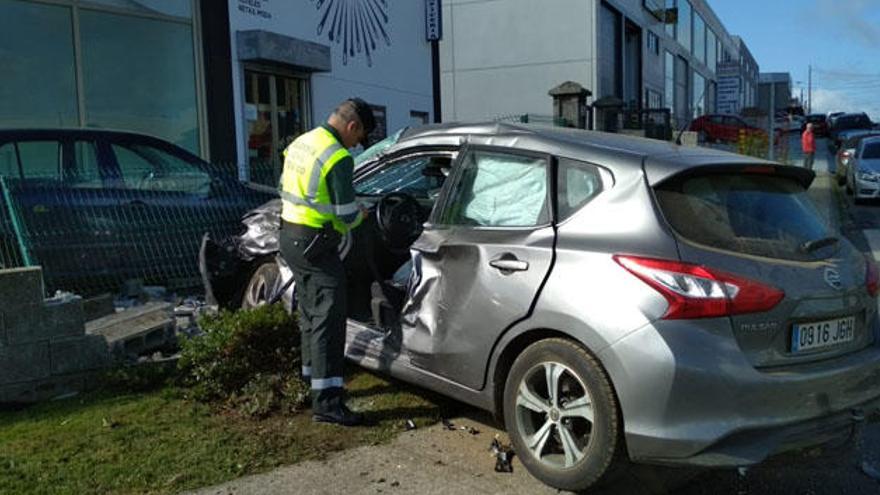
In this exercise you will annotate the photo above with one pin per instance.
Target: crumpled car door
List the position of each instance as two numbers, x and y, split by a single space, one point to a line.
480 263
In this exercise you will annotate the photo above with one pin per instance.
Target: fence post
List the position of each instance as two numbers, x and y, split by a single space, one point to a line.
16 223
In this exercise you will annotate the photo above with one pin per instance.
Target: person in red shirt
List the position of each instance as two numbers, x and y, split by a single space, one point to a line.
808 146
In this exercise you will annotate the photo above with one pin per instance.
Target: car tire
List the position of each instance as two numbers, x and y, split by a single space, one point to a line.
262 283
553 435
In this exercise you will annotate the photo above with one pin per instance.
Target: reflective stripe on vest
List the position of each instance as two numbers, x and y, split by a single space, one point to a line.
304 191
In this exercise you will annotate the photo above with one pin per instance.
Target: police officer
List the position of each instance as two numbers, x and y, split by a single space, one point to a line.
318 208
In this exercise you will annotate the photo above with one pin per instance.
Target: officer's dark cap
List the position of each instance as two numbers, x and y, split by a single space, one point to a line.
365 115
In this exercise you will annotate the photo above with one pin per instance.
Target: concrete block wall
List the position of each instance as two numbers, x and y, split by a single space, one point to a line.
44 350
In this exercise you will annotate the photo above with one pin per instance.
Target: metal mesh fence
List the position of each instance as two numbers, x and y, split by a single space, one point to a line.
265 172
10 249
91 237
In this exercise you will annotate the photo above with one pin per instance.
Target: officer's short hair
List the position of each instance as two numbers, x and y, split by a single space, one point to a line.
356 109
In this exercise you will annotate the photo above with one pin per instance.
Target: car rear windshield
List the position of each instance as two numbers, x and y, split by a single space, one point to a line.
853 122
762 215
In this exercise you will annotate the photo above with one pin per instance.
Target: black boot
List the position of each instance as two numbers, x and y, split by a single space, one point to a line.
340 415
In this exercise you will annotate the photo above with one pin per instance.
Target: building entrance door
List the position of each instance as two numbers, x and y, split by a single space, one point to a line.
276 112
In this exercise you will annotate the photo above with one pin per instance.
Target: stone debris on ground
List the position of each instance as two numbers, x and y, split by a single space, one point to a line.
503 455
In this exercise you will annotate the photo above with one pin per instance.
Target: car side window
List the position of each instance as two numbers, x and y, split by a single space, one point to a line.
86 173
147 168
576 184
499 190
420 176
9 161
40 159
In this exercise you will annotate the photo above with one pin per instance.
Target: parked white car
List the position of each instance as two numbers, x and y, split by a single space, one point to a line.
863 174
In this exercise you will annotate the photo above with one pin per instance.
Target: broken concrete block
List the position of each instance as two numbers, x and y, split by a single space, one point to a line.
23 363
21 287
43 321
64 317
98 306
89 352
137 330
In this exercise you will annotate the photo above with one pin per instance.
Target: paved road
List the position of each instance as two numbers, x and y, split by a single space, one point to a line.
437 461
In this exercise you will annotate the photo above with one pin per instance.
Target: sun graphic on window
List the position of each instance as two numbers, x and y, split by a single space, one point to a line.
358 25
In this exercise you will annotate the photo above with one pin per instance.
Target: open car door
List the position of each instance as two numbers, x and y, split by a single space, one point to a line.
480 262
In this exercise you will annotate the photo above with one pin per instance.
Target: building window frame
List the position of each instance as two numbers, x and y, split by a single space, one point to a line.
653 42
193 22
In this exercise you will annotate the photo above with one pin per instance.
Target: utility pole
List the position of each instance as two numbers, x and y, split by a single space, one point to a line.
771 113
810 89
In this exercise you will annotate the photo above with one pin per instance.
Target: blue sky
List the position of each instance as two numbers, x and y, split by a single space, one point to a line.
840 38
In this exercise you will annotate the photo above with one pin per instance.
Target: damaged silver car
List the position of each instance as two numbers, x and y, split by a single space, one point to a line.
615 300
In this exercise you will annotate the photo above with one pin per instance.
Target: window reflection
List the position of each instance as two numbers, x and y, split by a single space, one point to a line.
39 84
139 75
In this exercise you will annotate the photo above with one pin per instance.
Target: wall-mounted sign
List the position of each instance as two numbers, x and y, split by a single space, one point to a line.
357 24
433 20
256 8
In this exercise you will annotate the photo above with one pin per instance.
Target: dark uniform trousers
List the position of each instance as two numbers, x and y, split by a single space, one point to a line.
320 293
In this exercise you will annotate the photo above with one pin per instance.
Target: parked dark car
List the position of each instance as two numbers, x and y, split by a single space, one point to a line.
723 128
846 122
845 154
820 125
615 300
96 208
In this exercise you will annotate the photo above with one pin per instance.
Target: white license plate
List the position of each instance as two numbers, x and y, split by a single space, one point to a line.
822 334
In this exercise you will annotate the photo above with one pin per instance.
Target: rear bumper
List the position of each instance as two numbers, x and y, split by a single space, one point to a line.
751 446
689 397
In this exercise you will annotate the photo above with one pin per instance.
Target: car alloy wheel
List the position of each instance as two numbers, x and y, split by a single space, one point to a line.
262 285
562 415
554 412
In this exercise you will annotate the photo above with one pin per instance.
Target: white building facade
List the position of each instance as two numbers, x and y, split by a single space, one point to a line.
292 62
499 58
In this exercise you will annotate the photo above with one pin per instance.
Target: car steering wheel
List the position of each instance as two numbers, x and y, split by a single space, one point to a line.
398 218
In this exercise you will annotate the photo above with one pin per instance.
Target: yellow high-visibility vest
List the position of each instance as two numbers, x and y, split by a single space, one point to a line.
304 193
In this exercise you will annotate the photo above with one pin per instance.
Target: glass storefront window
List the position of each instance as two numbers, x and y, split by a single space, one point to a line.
699 38
711 50
699 94
176 8
275 113
684 24
139 74
39 75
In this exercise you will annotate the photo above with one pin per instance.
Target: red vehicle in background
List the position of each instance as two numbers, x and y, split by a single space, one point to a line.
724 128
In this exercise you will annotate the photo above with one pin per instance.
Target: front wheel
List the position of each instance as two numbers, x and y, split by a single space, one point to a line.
562 415
264 282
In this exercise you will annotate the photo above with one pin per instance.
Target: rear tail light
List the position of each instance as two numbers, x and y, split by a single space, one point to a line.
872 277
695 291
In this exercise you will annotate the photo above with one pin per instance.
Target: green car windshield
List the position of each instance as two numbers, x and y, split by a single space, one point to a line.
377 149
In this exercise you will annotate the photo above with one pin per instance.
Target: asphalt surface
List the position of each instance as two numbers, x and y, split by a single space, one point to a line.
438 460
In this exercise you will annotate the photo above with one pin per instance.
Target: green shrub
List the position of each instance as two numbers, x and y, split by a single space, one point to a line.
247 360
137 378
